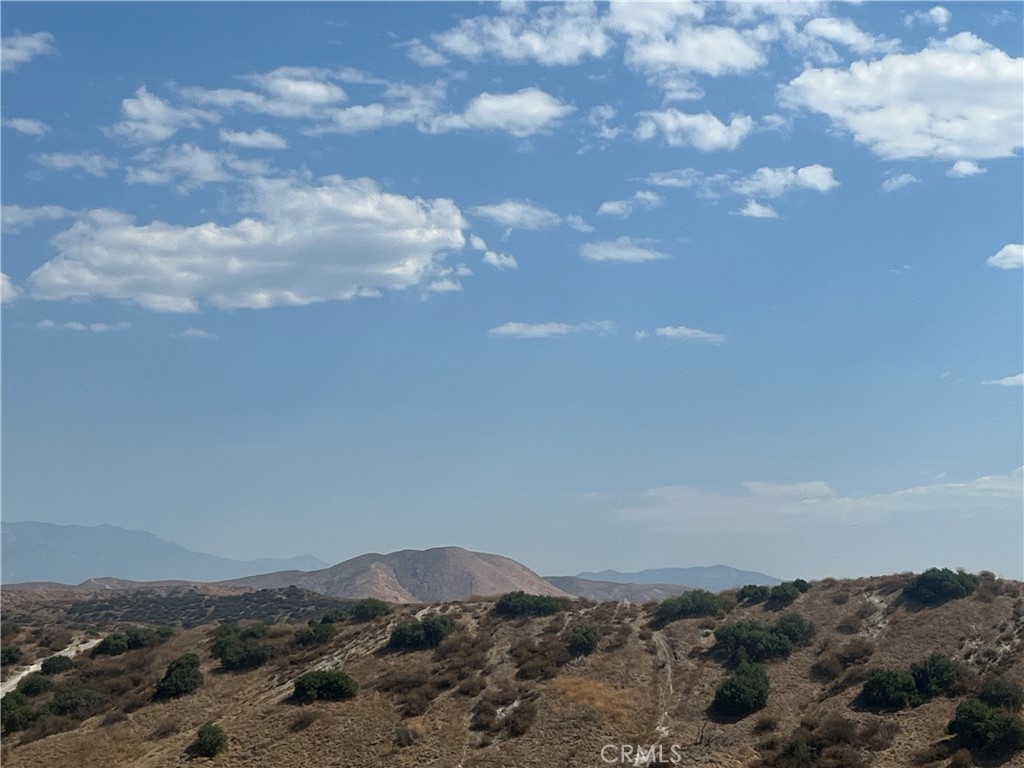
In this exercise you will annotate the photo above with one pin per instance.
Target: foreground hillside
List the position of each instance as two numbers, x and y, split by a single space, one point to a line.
501 691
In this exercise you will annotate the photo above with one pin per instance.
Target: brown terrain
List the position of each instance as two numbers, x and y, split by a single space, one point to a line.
497 693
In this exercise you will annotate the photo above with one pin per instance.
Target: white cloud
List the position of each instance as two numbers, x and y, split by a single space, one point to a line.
938 16
756 210
501 261
190 166
815 489
1009 257
599 119
258 139
963 169
424 55
681 178
775 182
644 199
26 125
75 325
15 218
560 34
899 181
689 334
703 131
148 118
958 98
8 290
19 48
523 113
92 163
518 214
301 243
477 243
549 330
196 333
846 33
1009 381
621 249
577 223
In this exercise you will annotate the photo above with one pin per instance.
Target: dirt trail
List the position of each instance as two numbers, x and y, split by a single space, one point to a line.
71 651
666 657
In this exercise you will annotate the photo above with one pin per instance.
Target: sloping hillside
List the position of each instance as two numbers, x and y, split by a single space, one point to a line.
616 591
504 692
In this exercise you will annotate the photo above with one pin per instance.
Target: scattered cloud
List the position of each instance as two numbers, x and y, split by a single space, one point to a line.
846 33
899 181
775 182
1009 381
756 210
19 48
622 209
958 98
577 223
520 114
8 290
423 55
91 163
549 330
15 218
688 334
1010 256
195 333
963 169
258 139
937 16
148 118
500 261
702 131
26 126
518 214
680 178
622 249
301 243
190 167
75 325
599 118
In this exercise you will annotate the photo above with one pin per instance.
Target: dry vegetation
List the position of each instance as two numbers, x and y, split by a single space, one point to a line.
500 692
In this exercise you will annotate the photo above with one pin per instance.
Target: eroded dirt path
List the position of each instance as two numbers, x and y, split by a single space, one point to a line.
71 651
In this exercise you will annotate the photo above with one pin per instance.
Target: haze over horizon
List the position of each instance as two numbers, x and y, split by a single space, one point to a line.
590 286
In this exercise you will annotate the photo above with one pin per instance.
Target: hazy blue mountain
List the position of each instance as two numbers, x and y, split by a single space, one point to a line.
710 577
70 554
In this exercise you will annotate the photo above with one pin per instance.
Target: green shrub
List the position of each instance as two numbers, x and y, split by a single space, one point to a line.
582 641
985 729
801 585
56 664
182 677
782 595
241 647
997 691
753 593
370 608
131 638
16 713
514 604
418 635
210 741
890 689
324 685
12 654
33 685
316 634
112 645
697 602
940 585
935 675
743 692
752 641
799 629
75 699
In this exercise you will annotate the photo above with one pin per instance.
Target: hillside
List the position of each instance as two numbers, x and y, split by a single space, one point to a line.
615 591
71 554
500 692
712 577
413 576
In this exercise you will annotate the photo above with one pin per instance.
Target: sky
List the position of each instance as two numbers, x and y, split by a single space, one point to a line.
591 286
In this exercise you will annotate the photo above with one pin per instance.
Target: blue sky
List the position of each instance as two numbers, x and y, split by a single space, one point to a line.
592 286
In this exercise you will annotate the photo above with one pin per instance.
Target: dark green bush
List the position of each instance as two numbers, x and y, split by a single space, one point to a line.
16 713
782 595
514 604
582 641
890 689
241 647
801 585
316 634
56 664
798 628
210 741
752 641
417 635
985 729
75 699
935 675
370 608
940 585
997 691
12 654
697 602
324 685
182 677
33 685
112 645
753 593
743 692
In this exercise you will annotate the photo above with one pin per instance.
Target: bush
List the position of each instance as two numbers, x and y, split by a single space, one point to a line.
316 634
753 641
985 729
743 692
210 741
801 585
33 685
324 685
890 689
1000 692
799 629
16 714
76 699
934 675
514 604
781 596
56 664
940 585
697 602
12 654
753 593
370 608
582 641
182 677
240 648
417 635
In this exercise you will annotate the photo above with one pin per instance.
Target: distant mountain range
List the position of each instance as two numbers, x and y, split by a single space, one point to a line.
70 554
108 557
